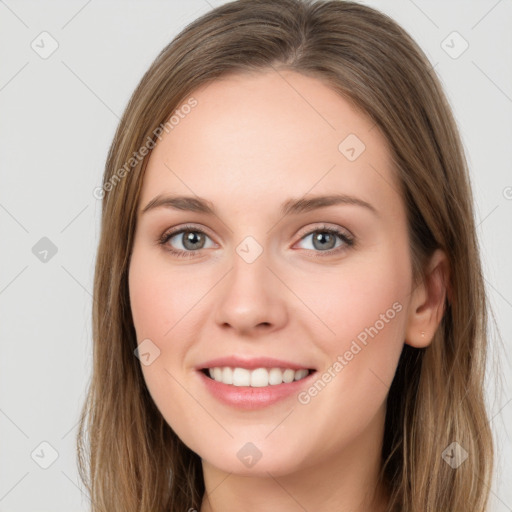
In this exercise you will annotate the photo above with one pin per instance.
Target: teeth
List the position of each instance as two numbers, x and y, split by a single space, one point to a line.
257 378
241 377
227 375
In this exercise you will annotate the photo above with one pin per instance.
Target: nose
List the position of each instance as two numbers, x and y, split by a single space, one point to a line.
251 298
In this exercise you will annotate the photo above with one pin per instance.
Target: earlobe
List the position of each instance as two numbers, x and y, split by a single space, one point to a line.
428 302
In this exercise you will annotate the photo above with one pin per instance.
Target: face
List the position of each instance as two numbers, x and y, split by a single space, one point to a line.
299 303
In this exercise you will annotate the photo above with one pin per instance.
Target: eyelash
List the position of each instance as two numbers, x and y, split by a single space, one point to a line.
349 241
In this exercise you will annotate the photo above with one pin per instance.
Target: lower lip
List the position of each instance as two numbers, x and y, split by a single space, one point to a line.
247 397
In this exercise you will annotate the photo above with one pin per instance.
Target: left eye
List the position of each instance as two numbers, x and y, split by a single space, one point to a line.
324 239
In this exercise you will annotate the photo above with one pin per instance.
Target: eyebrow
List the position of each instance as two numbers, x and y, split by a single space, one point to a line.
289 207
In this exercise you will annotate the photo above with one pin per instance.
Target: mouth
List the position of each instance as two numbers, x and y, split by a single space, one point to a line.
257 377
243 382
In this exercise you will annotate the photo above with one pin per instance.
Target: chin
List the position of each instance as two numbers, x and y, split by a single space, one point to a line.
254 459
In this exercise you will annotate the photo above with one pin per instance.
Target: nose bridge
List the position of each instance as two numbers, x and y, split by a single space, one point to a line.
250 295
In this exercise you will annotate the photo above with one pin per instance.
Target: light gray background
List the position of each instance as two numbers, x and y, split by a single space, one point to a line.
58 117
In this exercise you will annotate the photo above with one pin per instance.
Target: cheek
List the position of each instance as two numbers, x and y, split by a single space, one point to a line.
364 305
354 297
159 311
157 307
158 299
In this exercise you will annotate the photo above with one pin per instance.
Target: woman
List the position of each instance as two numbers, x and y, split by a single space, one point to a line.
289 306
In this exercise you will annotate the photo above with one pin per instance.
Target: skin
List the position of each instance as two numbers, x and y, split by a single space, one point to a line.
252 142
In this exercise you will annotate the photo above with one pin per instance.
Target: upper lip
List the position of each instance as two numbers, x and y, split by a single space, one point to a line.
251 363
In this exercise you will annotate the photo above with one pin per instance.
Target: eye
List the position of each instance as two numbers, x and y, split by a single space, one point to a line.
190 238
324 240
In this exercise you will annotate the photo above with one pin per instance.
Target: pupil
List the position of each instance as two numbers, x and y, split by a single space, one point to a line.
189 239
321 237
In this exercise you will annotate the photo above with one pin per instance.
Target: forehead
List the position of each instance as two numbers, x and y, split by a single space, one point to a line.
266 134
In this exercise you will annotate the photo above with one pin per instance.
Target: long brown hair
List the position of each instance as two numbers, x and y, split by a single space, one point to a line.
134 459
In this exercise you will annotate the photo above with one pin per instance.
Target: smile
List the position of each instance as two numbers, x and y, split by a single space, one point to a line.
256 378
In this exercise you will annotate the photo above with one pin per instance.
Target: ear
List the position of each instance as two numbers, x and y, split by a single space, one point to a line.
428 302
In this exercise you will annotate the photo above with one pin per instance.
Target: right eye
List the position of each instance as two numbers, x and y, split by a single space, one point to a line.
188 237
